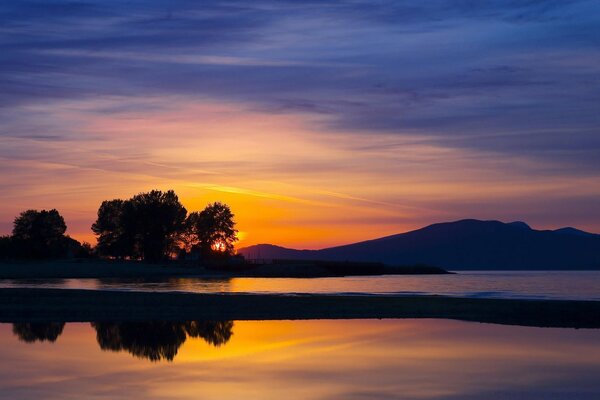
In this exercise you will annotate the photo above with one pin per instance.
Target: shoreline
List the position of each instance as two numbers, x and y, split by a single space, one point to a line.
82 269
75 305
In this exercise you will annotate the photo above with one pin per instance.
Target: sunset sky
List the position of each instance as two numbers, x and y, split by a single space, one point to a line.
319 123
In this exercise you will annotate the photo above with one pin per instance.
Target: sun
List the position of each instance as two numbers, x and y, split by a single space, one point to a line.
219 246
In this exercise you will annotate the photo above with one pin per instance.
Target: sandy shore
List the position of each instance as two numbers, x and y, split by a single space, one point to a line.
31 305
64 269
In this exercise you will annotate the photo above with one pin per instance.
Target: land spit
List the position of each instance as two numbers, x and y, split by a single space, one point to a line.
73 305
83 268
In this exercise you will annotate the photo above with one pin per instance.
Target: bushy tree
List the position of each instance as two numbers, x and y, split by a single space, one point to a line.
39 225
213 229
153 225
40 234
146 226
158 218
115 239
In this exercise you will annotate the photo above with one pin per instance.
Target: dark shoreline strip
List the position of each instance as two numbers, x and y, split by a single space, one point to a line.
60 305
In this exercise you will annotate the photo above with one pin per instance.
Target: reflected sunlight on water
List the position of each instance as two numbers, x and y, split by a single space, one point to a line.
409 359
574 285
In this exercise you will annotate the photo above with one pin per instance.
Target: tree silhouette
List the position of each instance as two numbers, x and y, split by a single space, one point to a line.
39 225
158 218
153 226
34 332
157 341
40 234
213 229
112 239
148 226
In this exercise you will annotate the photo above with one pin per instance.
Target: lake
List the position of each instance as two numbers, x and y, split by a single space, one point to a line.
310 359
318 359
573 285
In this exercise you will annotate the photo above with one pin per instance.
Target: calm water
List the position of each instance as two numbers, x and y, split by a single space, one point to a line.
357 359
539 285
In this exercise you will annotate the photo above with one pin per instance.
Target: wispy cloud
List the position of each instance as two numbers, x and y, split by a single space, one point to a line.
386 106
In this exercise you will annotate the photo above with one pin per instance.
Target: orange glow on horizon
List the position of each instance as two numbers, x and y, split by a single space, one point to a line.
287 181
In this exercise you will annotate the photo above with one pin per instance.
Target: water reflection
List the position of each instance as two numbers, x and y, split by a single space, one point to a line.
212 285
573 285
216 333
39 331
155 341
313 359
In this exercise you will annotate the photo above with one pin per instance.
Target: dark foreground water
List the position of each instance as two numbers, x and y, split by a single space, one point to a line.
325 359
573 285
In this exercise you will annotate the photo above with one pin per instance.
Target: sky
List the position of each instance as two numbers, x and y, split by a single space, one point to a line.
318 122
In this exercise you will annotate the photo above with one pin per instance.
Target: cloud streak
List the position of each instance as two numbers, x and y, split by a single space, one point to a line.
365 95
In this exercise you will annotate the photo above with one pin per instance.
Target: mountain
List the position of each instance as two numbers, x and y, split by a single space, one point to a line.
573 231
465 244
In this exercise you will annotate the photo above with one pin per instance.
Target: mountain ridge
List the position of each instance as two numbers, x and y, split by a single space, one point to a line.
462 244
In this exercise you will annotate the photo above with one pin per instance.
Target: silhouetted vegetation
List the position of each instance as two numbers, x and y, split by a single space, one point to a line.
153 226
110 228
6 247
212 230
38 332
40 235
147 226
158 341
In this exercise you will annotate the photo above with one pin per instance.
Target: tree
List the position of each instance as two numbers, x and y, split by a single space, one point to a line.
39 225
214 229
148 225
158 218
86 250
115 239
40 234
153 226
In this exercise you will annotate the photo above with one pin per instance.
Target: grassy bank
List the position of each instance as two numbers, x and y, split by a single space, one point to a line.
64 269
21 305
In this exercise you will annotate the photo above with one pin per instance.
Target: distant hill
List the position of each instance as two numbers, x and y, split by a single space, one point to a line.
465 244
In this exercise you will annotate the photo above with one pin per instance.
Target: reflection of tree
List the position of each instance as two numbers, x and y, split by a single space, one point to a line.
158 341
152 340
213 332
42 331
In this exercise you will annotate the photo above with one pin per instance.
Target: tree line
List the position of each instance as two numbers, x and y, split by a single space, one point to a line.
150 226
